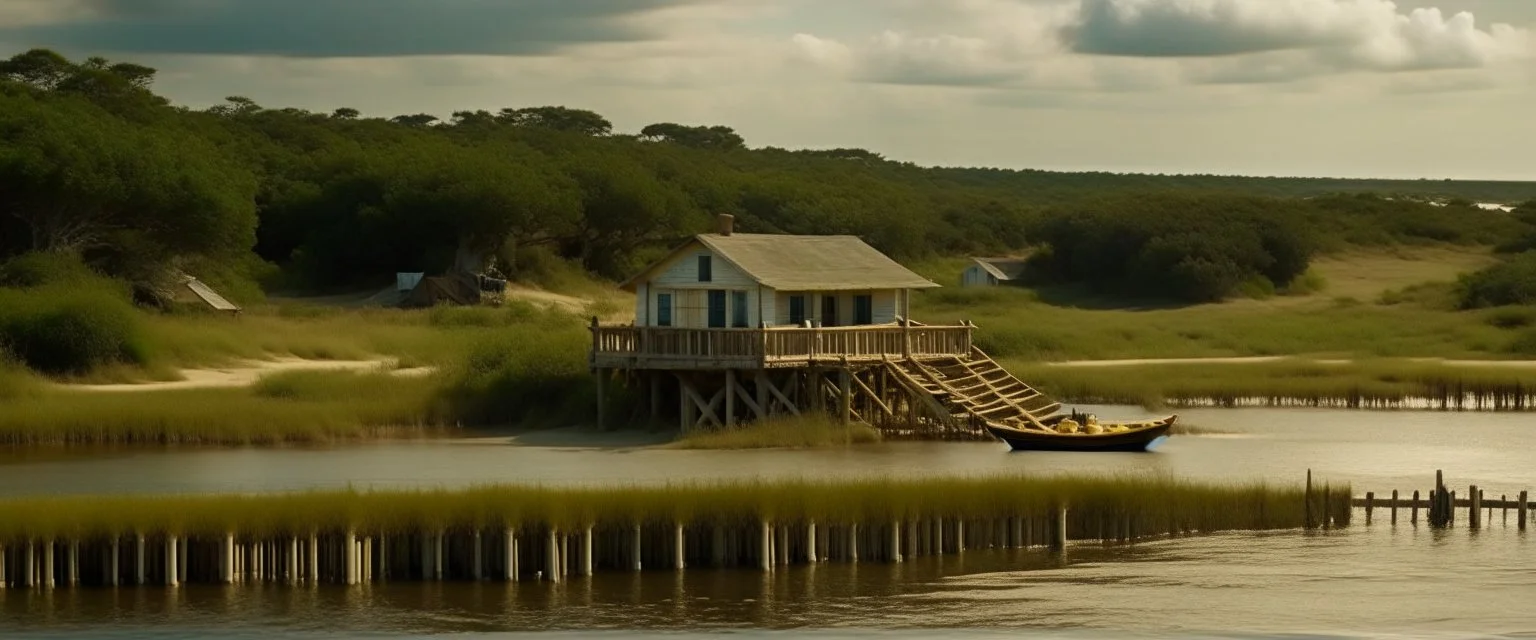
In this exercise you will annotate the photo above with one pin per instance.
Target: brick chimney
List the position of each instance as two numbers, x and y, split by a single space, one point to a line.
725 223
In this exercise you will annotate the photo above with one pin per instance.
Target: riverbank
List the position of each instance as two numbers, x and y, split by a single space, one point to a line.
1400 383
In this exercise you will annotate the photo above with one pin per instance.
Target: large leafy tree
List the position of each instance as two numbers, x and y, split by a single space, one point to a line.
74 178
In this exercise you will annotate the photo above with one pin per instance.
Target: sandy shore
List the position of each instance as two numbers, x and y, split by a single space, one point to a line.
247 372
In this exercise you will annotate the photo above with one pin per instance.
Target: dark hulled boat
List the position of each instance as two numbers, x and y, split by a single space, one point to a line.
1137 437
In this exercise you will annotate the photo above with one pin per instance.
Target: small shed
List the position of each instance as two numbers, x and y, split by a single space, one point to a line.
727 280
991 272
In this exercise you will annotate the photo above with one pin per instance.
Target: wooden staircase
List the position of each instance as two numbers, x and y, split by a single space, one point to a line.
969 392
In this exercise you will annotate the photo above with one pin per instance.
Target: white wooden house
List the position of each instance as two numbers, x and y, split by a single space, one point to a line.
727 280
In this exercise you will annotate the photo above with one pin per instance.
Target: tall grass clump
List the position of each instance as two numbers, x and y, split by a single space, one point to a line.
288 408
1153 505
803 432
533 374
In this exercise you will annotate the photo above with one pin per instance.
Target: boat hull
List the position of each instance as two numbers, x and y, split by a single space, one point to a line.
1133 440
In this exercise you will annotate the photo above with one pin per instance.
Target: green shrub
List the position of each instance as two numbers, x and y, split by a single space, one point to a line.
533 374
70 330
1524 344
1512 282
37 269
1193 248
1512 317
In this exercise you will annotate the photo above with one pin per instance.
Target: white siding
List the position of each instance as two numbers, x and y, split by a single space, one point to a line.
767 310
679 277
642 309
884 306
682 272
975 276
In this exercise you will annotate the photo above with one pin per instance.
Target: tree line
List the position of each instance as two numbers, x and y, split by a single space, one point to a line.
94 163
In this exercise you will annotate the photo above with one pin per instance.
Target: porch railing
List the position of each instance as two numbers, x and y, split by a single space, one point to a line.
780 345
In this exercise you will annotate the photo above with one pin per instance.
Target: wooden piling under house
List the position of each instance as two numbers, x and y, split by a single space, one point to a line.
732 327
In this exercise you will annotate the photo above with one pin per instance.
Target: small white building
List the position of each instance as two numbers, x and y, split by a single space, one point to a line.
990 272
728 280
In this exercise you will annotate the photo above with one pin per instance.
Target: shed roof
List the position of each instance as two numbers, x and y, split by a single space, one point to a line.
804 263
1001 268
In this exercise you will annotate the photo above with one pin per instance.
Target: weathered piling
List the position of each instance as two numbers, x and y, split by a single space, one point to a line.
1521 510
476 535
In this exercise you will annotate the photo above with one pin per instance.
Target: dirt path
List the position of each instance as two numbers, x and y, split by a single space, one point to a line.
247 372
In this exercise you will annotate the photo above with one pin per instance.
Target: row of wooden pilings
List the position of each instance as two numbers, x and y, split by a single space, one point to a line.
544 554
1440 505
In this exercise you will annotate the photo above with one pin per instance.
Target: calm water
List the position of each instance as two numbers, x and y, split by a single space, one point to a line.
1378 581
1377 451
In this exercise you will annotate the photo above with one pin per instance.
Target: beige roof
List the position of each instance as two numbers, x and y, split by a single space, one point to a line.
806 263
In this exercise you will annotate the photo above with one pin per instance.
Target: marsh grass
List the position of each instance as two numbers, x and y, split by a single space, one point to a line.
804 432
285 408
1151 503
1378 383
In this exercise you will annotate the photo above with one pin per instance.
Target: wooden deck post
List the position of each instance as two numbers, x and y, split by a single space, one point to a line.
763 400
730 398
655 382
602 399
845 395
1521 510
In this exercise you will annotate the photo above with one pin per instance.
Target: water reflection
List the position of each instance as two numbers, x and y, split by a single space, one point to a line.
1370 581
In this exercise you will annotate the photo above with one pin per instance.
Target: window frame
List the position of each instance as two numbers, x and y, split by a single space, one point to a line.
797 316
710 307
740 310
664 309
706 268
863 308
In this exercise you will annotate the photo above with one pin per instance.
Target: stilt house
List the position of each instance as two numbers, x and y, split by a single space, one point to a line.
749 326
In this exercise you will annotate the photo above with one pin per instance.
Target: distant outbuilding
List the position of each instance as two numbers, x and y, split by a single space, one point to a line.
990 272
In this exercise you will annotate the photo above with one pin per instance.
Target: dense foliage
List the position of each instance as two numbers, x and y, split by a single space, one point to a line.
57 317
1511 282
94 163
1206 247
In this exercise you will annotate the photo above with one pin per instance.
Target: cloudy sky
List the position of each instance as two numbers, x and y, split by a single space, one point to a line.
1413 88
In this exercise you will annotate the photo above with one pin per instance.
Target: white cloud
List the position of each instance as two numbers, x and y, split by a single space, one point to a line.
1149 42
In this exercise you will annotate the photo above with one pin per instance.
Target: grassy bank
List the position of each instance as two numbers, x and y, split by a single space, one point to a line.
805 432
1365 384
1153 503
1369 305
288 408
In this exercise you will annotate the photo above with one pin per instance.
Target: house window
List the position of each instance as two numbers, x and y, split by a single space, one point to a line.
828 310
706 269
739 309
663 309
716 309
797 310
863 309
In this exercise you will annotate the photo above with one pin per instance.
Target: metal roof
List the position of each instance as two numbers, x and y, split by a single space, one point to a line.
1001 268
804 263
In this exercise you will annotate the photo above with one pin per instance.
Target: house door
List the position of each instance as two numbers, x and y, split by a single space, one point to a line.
716 308
829 311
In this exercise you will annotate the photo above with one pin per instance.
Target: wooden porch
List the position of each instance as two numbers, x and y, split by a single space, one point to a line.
668 348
